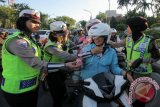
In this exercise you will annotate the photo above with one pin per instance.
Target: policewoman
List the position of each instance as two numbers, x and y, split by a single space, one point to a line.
55 50
21 62
140 46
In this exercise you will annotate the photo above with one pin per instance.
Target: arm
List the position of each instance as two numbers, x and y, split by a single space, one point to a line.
19 47
117 45
118 71
62 54
155 54
114 65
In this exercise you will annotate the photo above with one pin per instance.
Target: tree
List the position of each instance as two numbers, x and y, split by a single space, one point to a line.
121 27
102 16
44 21
66 19
157 6
113 22
151 21
142 4
2 1
123 3
7 18
134 13
83 23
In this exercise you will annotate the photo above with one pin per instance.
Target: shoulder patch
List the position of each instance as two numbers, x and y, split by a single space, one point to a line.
22 43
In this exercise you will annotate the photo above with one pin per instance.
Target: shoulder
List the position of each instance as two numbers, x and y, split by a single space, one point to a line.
89 47
17 42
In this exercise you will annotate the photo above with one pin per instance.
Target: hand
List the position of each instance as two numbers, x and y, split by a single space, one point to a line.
43 75
97 50
73 65
136 63
128 76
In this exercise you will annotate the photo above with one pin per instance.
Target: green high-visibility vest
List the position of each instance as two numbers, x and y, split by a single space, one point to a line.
50 57
18 76
139 50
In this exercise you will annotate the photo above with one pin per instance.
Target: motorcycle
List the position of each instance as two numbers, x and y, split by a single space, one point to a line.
102 90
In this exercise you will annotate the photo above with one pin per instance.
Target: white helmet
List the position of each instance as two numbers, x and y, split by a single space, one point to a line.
92 22
31 14
100 29
58 26
113 30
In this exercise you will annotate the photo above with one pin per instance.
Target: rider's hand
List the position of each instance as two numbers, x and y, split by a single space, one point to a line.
97 50
73 65
130 78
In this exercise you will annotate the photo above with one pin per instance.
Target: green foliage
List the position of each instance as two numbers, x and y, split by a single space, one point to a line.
151 21
44 21
121 27
155 25
66 19
113 22
153 32
3 1
83 23
7 18
133 13
102 16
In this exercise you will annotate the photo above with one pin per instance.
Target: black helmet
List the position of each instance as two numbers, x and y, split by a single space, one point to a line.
137 24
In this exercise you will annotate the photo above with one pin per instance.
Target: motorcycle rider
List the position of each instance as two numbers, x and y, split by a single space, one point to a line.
114 36
21 62
100 63
105 61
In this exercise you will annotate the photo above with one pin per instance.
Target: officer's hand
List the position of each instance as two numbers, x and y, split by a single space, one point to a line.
73 65
136 63
97 50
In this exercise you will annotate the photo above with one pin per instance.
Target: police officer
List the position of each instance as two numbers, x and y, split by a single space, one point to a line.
140 47
21 62
55 50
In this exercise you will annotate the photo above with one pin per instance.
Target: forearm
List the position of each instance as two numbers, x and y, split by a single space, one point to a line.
62 54
117 45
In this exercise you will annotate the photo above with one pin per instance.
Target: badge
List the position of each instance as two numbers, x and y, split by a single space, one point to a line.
142 46
22 43
129 39
34 50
